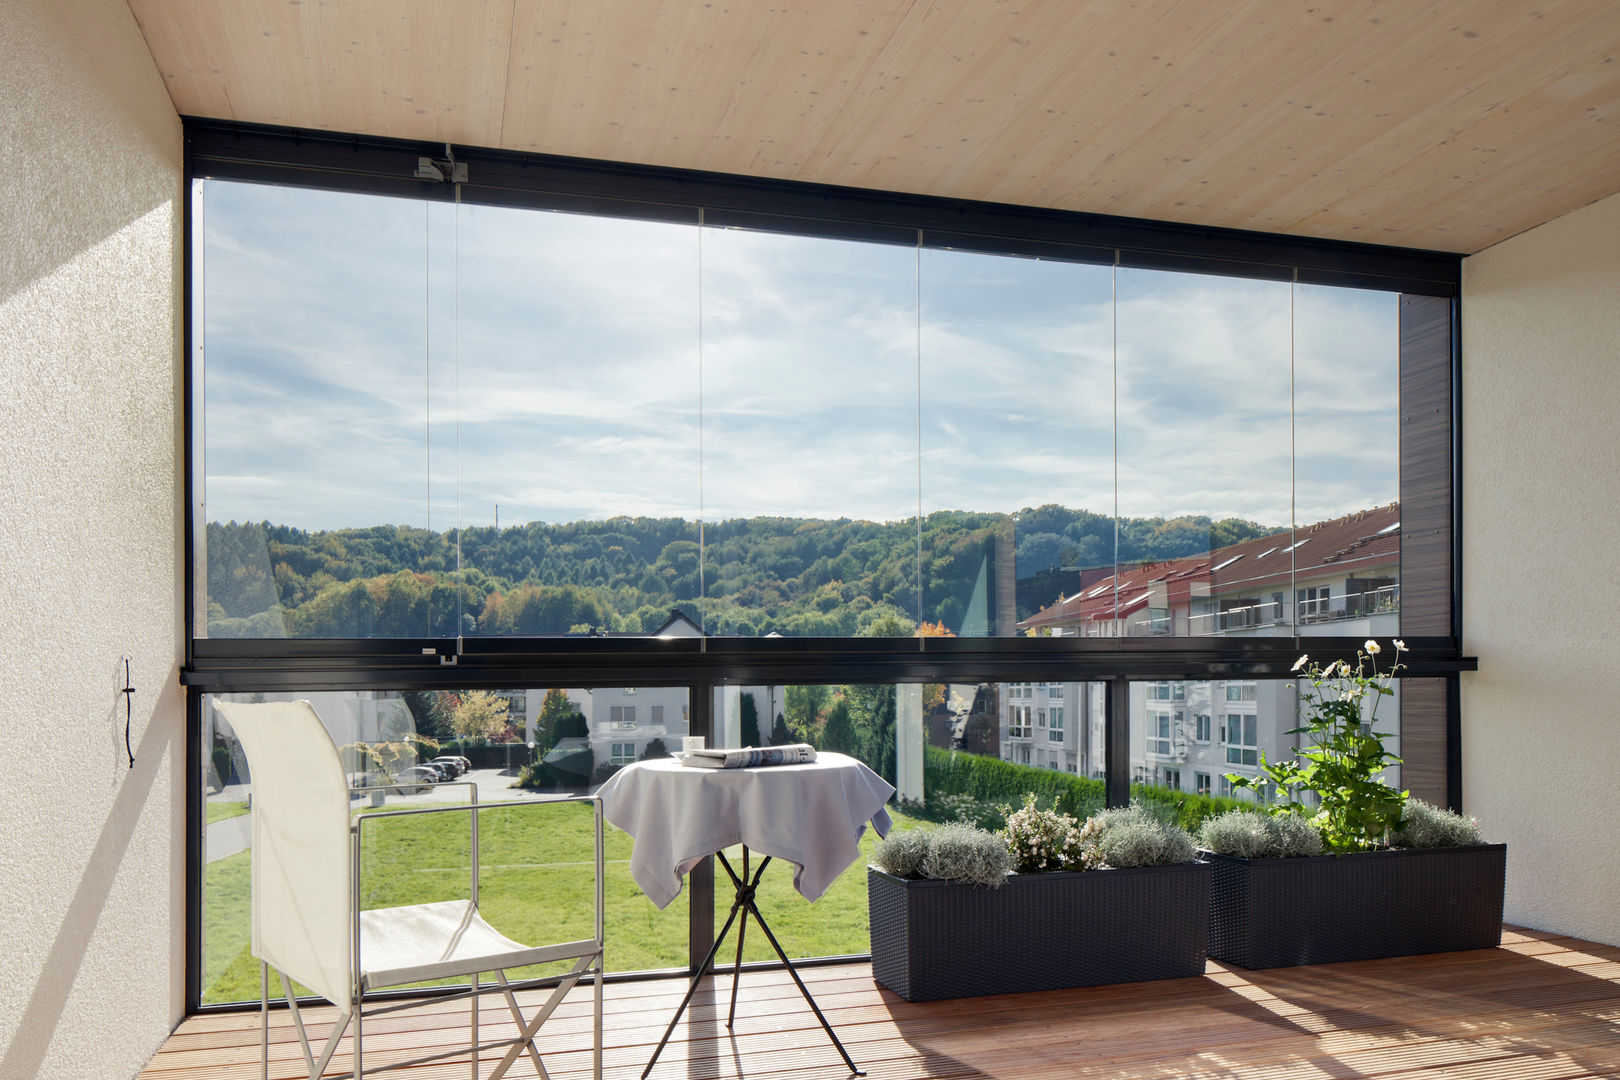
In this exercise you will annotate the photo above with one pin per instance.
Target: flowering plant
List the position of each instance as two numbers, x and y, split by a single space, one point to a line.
1043 839
1358 811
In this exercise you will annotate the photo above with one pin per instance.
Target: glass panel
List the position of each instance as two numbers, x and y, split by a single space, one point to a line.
1017 439
809 436
536 744
577 443
313 325
1183 752
1347 462
1204 456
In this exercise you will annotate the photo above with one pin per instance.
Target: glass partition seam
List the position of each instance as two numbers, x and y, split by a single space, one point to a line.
427 384
917 311
703 558
1113 321
1293 463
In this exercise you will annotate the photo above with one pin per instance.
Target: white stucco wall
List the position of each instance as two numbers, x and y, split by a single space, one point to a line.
91 852
1541 588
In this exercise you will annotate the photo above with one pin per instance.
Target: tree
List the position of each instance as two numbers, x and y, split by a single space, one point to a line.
388 755
933 696
555 708
750 721
780 736
805 705
431 719
655 749
481 714
871 712
838 734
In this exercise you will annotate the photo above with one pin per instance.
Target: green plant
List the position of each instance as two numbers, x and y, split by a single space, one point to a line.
1042 839
1134 835
903 852
955 852
1358 811
1254 834
1426 826
964 853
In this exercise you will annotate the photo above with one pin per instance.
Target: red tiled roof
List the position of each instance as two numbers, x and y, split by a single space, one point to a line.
1364 539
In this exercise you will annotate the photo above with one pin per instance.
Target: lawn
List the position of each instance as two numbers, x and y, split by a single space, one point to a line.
222 810
535 885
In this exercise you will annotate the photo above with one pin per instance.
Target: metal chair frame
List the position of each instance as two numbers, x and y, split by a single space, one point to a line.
587 956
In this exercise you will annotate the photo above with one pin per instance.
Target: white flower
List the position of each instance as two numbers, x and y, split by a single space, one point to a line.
1300 662
1372 647
1400 646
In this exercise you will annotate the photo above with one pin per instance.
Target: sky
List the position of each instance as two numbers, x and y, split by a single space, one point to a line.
370 360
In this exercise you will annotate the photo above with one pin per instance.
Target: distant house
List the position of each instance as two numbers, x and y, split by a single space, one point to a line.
1339 577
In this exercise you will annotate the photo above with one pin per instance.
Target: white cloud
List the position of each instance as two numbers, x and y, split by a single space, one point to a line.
565 360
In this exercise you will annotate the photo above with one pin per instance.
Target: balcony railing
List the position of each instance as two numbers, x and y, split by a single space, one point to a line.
1384 601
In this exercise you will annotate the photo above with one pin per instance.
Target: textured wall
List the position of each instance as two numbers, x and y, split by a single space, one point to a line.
91 852
1541 495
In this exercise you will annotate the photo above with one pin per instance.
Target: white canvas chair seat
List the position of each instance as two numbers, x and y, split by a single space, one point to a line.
446 940
307 927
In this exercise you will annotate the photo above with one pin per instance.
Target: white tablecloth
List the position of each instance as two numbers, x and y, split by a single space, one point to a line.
809 815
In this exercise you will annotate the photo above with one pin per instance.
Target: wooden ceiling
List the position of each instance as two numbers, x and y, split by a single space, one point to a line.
1444 125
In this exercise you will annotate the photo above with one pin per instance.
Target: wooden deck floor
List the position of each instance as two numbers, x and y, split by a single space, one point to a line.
1541 1007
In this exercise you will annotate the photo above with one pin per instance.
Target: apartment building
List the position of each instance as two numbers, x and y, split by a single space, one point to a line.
1339 577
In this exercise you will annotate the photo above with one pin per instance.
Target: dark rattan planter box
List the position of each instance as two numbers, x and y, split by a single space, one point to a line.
1322 910
944 939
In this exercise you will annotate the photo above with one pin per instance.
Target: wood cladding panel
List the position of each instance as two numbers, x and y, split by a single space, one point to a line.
1541 1007
1426 457
1423 739
1436 126
420 69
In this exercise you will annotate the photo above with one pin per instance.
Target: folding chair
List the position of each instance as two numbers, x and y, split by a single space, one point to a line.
307 922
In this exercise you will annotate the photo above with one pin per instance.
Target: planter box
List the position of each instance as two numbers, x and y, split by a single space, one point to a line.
1329 908
945 939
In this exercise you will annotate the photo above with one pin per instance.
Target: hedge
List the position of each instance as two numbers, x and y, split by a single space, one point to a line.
993 781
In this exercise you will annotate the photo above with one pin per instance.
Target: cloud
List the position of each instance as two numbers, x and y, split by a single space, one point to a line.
374 360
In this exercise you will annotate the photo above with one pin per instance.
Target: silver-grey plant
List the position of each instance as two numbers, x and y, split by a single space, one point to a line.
903 852
1133 836
959 852
954 852
1252 834
1426 826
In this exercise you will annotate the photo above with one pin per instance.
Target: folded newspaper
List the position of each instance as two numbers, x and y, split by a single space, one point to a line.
749 756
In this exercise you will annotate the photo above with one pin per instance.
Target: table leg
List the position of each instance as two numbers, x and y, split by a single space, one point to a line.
742 934
743 904
802 988
744 895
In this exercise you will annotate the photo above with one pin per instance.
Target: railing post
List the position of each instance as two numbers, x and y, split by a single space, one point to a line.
1117 743
700 881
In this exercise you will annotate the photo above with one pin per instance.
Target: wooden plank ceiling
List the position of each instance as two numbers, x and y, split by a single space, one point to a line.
1436 125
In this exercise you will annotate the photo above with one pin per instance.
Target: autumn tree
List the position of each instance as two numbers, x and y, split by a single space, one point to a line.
555 710
481 714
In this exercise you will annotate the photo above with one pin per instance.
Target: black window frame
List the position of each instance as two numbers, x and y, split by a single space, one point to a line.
355 163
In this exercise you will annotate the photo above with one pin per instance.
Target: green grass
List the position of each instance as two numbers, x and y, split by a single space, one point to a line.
535 885
221 811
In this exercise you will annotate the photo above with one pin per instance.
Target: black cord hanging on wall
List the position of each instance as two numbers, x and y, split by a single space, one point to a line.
128 691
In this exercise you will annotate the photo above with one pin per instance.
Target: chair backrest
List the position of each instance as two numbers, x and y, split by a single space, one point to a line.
302 893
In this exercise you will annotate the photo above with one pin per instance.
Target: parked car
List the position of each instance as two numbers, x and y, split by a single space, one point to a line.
415 779
455 766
